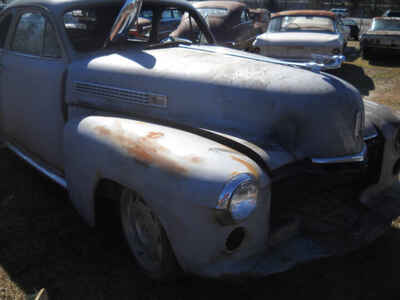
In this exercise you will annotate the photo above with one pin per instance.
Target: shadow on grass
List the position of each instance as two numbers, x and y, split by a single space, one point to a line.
390 61
356 76
44 243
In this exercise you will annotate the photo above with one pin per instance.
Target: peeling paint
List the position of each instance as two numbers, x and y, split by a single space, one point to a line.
155 135
143 149
248 165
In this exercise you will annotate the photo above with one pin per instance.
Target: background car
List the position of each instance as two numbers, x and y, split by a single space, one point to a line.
354 29
392 13
298 35
382 37
229 21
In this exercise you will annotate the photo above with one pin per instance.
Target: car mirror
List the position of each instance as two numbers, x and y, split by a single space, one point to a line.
127 16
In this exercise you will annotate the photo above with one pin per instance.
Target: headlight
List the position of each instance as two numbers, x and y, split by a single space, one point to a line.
237 200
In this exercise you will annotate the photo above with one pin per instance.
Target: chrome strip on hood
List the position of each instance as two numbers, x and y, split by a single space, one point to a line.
312 65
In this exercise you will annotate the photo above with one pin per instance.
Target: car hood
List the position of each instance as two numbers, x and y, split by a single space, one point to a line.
297 39
383 32
308 114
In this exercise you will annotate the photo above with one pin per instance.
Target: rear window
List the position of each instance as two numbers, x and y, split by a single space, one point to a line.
301 23
391 25
213 11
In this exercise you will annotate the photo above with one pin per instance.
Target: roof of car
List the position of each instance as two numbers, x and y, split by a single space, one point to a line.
230 5
62 5
305 12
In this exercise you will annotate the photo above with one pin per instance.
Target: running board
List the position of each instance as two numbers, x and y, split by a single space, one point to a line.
57 179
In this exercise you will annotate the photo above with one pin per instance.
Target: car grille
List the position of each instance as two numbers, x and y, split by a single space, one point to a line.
325 197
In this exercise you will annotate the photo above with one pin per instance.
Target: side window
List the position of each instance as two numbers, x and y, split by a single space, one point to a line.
244 16
51 47
29 34
34 35
4 26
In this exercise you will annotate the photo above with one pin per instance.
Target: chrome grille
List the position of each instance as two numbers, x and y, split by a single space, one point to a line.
119 94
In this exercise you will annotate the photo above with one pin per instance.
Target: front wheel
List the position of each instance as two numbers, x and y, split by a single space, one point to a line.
146 238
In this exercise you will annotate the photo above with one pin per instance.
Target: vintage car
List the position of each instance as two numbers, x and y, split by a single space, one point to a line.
383 37
215 161
229 21
300 35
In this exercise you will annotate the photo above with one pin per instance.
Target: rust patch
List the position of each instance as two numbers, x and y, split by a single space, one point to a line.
103 131
248 165
143 149
155 135
196 159
235 173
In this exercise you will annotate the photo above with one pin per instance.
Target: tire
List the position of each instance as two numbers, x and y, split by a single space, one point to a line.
365 53
146 238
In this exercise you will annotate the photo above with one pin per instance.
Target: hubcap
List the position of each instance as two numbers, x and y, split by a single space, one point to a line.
142 230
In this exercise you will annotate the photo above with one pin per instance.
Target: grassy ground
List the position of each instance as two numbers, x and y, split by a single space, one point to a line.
44 243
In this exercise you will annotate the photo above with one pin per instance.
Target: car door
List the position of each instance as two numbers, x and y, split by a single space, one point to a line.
31 92
244 30
5 24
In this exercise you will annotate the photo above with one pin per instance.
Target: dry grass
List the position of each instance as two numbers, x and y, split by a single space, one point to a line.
44 243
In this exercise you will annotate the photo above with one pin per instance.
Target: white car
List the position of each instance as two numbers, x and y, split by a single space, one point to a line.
303 36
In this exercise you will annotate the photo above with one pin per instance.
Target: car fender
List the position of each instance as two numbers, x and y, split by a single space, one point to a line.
179 174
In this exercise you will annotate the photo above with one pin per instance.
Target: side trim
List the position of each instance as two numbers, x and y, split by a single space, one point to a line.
61 181
370 137
359 157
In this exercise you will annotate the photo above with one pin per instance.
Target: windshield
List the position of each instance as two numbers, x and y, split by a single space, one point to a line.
88 28
301 23
390 25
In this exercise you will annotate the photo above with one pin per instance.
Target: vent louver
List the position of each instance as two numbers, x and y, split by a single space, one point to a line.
118 94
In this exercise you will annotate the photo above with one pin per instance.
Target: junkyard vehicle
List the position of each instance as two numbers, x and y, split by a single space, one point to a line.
216 160
229 21
383 37
392 13
300 35
354 29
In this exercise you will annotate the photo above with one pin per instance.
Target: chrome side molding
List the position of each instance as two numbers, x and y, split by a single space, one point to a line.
359 157
58 179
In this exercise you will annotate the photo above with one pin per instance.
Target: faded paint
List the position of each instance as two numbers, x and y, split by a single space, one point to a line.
155 135
322 13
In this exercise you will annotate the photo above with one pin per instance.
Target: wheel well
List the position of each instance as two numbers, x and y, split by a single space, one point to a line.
106 197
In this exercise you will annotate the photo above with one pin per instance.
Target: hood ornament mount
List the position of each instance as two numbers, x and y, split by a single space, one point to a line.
127 16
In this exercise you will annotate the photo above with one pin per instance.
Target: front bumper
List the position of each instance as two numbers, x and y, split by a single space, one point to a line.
304 246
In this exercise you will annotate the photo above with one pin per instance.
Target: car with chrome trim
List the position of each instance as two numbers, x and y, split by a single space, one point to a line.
215 161
383 37
303 35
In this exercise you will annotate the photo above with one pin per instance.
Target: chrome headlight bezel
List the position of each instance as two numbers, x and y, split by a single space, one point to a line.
238 199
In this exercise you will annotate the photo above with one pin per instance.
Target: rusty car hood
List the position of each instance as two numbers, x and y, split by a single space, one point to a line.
274 106
311 39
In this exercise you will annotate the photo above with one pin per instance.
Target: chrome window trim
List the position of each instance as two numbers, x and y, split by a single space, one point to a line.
359 157
370 137
58 179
